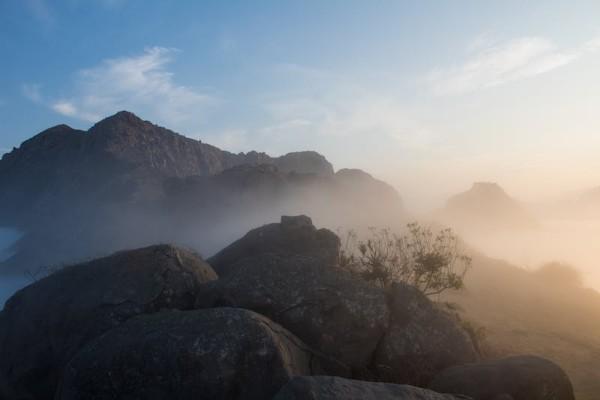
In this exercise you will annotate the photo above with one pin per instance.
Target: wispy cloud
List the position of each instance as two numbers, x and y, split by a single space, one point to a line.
140 83
40 10
348 113
32 91
494 64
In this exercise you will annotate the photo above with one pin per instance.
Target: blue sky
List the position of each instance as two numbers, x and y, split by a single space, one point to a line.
443 92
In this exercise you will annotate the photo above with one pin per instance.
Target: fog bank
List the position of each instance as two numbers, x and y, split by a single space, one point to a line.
9 285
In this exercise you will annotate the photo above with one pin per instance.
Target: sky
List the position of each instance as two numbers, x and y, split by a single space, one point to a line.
427 95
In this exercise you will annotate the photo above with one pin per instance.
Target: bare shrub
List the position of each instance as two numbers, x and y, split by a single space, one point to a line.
432 262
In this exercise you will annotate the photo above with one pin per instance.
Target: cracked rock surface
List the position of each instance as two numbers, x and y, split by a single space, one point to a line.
327 308
421 339
334 388
44 324
220 353
396 335
511 378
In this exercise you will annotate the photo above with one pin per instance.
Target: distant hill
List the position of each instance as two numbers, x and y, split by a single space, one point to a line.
486 206
127 182
585 204
523 313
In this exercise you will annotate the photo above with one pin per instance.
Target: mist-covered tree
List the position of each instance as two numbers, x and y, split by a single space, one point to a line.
432 262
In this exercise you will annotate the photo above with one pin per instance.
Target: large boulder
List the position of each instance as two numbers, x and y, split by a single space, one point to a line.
516 378
43 325
421 340
334 388
328 308
221 353
293 235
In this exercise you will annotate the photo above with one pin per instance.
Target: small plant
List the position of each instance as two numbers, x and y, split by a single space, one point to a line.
432 262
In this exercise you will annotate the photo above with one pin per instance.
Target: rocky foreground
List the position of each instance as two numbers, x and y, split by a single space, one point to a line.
269 317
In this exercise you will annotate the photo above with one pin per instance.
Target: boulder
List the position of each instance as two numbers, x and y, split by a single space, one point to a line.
328 308
334 388
221 353
293 235
43 325
516 378
421 340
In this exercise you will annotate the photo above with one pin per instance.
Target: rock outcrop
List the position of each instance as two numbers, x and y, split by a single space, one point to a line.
221 353
330 310
421 339
279 271
304 162
513 378
293 235
334 388
43 325
157 323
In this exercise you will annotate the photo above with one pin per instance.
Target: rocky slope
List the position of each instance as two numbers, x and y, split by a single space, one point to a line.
283 322
128 183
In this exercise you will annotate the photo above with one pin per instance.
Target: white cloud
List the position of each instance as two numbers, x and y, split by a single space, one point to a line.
360 114
500 63
32 92
65 108
141 84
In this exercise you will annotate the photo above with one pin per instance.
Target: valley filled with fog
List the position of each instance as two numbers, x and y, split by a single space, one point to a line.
573 241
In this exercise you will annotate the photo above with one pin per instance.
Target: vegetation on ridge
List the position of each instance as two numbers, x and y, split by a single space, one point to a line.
431 261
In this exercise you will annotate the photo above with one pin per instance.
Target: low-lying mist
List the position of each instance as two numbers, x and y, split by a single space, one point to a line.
8 285
573 241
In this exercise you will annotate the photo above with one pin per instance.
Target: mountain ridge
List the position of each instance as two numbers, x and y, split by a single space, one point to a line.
128 182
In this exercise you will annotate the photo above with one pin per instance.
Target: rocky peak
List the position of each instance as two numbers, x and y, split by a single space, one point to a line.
50 136
51 144
295 222
304 162
353 174
120 120
487 205
488 189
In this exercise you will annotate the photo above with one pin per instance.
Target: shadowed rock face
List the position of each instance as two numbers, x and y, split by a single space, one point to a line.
420 336
516 378
294 235
44 324
333 388
304 162
279 271
221 353
327 308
